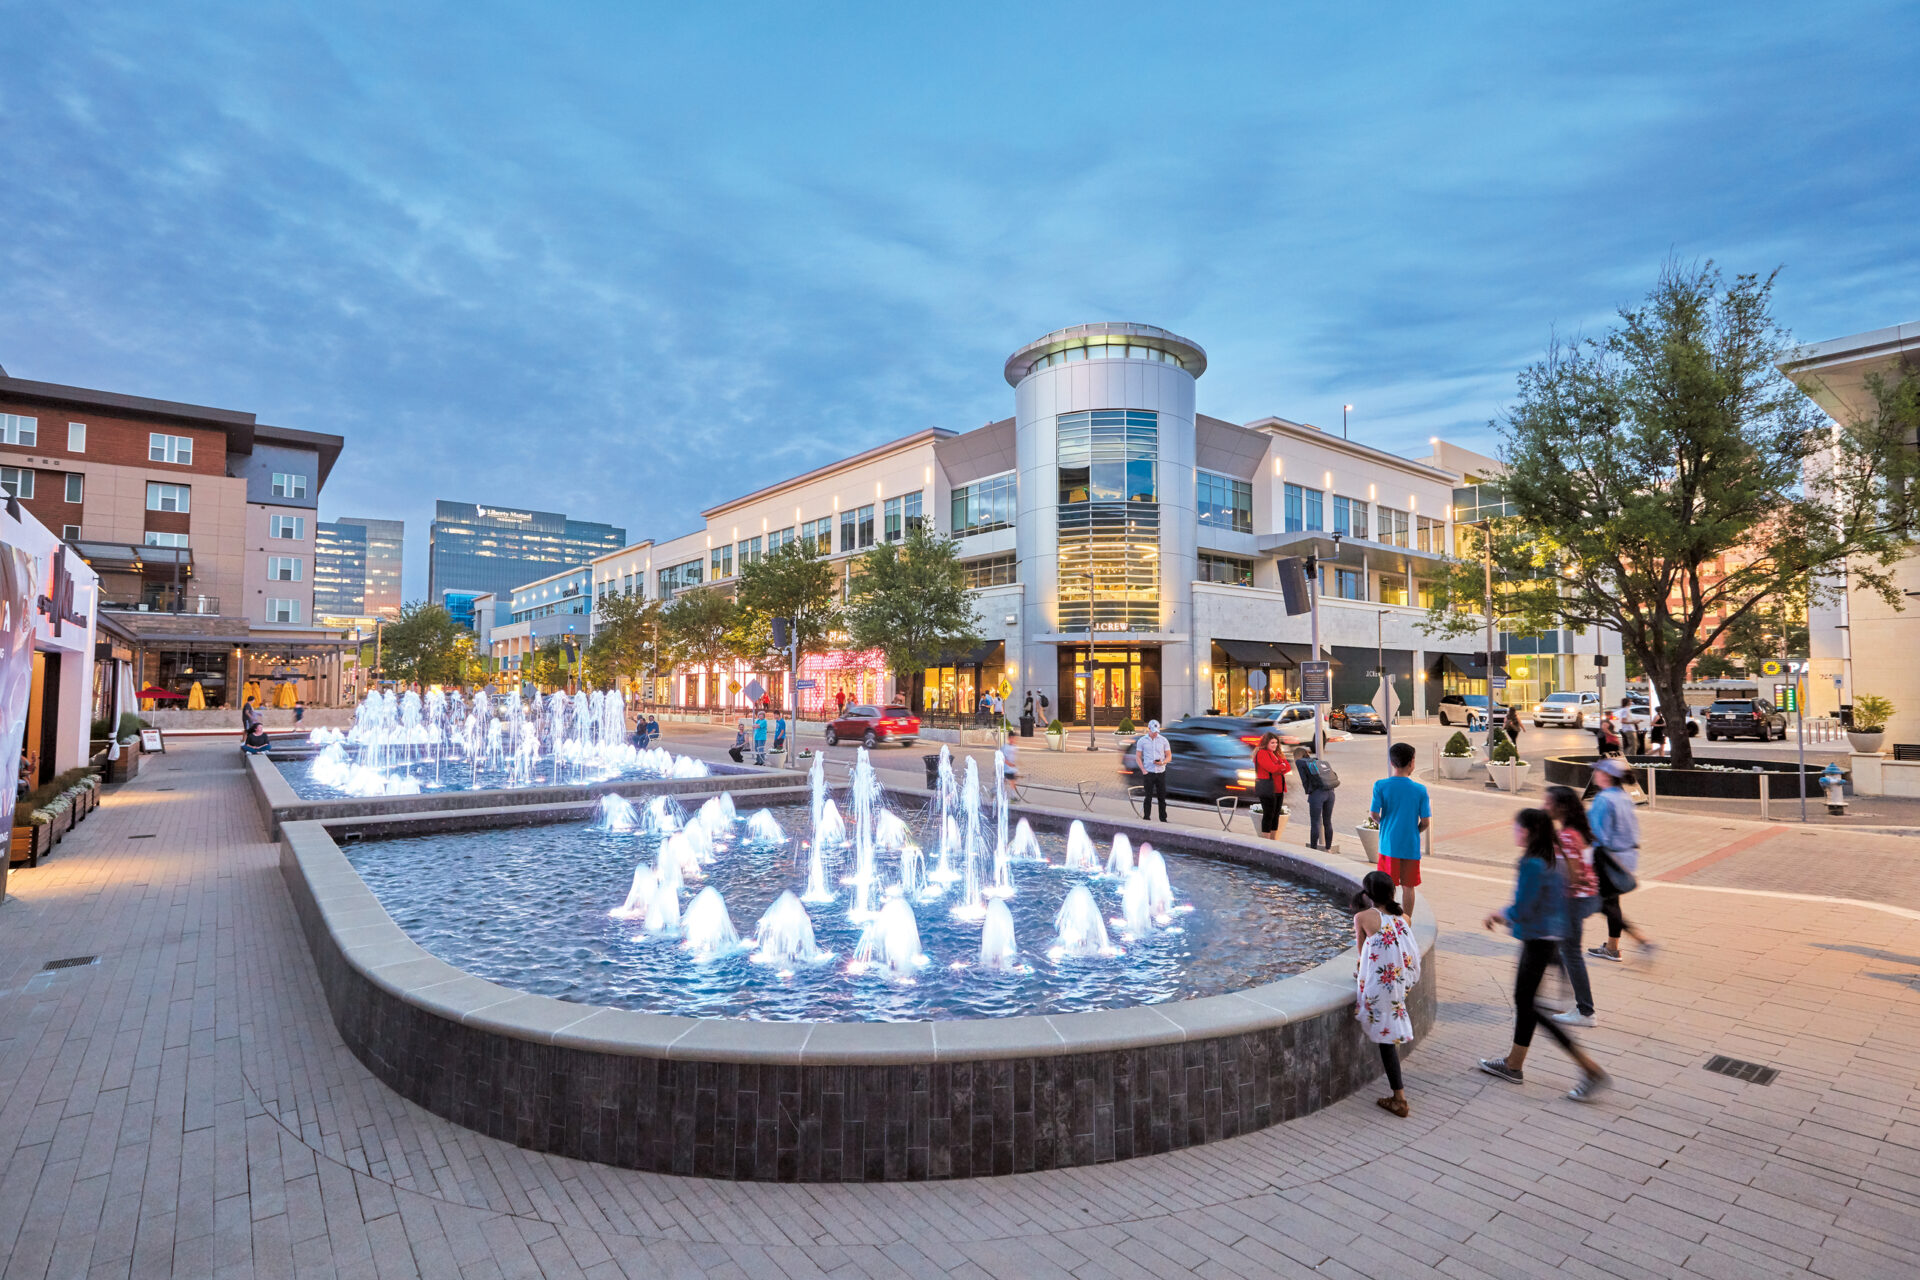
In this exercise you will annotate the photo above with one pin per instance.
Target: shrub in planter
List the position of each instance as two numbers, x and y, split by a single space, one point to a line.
1870 715
1457 745
1456 758
1501 750
1125 726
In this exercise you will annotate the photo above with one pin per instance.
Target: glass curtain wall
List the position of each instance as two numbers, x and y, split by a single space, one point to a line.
1109 520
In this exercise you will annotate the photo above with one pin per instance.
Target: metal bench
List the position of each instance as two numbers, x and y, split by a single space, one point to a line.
1225 808
1088 792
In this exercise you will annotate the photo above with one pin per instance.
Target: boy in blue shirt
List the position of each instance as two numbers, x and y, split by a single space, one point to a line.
1400 808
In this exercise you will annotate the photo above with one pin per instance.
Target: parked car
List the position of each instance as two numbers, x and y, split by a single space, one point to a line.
1568 709
1212 757
871 726
1745 718
1467 709
1293 721
1637 710
1357 717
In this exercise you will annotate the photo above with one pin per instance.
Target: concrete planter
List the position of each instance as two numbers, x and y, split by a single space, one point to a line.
1454 768
1056 741
1369 844
1865 743
1509 777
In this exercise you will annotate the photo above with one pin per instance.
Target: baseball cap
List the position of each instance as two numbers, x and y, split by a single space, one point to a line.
1153 724
1611 767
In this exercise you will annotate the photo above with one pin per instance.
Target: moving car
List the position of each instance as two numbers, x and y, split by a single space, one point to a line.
1745 718
1467 709
871 726
1568 709
1357 717
1212 757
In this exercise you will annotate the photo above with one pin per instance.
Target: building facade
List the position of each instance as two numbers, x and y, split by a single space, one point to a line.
536 613
472 549
340 572
200 522
1123 548
385 545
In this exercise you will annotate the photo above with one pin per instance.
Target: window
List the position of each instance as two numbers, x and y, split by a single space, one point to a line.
1432 536
17 481
984 505
1225 503
818 535
1109 529
15 429
990 571
1105 347
902 516
1350 517
174 449
283 568
294 527
169 497
283 610
721 563
779 538
1349 584
69 533
76 488
856 528
157 539
1395 527
76 437
1303 509
1231 570
286 485
678 577
626 584
1108 455
749 552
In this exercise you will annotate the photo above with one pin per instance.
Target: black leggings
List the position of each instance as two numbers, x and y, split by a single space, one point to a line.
1536 957
1390 1059
1616 923
1270 813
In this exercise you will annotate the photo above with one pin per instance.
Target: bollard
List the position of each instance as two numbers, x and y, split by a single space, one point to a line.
1760 779
1653 788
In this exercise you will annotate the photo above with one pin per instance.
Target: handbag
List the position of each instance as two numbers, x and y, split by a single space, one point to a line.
1263 788
1614 879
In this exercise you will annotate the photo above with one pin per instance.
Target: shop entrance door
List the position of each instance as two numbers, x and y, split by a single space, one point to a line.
1116 689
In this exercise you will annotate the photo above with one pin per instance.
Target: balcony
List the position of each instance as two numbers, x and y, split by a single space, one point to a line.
164 599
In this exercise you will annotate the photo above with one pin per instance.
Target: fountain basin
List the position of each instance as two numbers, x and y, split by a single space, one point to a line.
824 1101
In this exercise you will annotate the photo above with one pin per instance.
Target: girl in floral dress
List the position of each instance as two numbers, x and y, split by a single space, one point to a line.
1389 967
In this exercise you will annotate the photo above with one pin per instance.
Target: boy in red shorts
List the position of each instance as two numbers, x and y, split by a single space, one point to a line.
1401 809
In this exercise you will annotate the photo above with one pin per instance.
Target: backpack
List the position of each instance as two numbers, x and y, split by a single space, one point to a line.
1329 778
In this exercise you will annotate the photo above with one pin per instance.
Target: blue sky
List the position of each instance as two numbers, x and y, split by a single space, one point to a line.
624 261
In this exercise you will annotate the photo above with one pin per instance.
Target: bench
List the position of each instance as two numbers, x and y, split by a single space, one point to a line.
1225 808
1087 792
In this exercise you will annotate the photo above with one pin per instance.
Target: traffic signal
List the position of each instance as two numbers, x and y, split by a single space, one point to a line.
782 633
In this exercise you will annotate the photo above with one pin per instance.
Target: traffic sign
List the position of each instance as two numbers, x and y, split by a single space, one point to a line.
733 686
1771 667
1499 682
1256 679
806 684
1316 682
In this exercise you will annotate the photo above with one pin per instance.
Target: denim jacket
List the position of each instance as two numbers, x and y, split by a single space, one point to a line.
1539 910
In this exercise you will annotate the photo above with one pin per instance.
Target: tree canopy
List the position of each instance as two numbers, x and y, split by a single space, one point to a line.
793 582
547 667
424 645
912 603
1636 462
700 622
631 639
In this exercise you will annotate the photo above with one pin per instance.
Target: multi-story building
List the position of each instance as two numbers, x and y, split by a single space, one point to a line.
1123 548
473 549
200 522
536 613
386 540
340 573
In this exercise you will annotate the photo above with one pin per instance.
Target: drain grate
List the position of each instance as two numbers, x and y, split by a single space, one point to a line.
150 835
1751 1072
71 962
166 788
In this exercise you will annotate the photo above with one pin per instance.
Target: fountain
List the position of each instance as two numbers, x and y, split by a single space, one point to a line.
670 861
663 913
1136 907
764 828
890 833
972 901
617 814
1159 891
639 897
1080 933
891 941
664 816
829 828
785 936
1120 860
943 870
1080 853
709 929
866 803
1026 845
997 950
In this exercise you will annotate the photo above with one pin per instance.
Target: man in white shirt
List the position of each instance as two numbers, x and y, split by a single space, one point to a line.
1153 752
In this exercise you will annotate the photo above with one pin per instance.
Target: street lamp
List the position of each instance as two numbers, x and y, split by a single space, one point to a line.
1388 702
1345 409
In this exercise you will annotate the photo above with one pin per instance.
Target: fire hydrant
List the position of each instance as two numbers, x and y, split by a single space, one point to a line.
1834 783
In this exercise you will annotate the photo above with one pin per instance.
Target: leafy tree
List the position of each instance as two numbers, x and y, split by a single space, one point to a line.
547 667
425 645
701 623
631 640
1713 665
1638 460
1772 629
793 582
913 605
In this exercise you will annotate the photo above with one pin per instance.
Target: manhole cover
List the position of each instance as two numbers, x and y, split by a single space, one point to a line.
1751 1072
71 962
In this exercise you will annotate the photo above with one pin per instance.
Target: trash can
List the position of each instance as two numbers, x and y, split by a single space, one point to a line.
933 771
1026 725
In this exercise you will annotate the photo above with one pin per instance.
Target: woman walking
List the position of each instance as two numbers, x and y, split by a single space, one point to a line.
1657 733
1616 854
1389 966
1270 770
1538 918
1583 891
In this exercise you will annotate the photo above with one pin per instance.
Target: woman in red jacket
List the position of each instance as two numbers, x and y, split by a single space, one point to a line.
1270 769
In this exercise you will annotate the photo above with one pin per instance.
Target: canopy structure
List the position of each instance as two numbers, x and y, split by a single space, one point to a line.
1257 653
1471 665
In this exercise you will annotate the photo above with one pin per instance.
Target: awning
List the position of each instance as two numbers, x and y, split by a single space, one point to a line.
1304 653
1256 653
990 654
1471 665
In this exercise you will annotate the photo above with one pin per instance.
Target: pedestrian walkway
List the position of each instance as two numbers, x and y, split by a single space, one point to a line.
184 1107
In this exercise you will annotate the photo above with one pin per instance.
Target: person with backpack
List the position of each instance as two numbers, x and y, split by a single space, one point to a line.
1403 811
1319 781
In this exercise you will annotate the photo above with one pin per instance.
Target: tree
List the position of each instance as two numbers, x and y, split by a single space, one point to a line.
913 605
1712 665
424 645
1637 461
1774 628
630 639
701 624
796 583
547 668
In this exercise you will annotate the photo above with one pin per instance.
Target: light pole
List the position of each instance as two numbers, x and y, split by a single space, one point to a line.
1345 409
1388 701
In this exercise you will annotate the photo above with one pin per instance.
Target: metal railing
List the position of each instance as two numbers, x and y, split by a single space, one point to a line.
167 600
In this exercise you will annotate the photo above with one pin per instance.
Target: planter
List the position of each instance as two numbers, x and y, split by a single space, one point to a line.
1369 844
1867 743
1509 777
30 844
1055 741
1455 768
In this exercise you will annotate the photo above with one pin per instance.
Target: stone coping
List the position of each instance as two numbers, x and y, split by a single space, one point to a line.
280 804
370 943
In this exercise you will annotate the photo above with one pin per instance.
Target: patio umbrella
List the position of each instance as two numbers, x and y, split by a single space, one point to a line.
286 697
125 700
196 698
155 693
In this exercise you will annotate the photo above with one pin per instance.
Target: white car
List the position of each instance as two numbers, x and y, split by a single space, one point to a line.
1293 721
1636 712
1568 709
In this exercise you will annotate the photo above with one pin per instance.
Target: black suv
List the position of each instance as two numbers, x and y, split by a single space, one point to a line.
1745 718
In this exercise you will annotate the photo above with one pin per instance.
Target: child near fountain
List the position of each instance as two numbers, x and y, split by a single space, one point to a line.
1389 966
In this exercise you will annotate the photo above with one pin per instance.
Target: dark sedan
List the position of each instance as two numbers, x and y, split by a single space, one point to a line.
1212 757
1357 717
871 726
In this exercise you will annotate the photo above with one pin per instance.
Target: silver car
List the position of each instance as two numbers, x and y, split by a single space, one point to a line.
1568 709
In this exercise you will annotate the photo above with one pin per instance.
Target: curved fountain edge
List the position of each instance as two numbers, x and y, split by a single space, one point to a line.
546 1073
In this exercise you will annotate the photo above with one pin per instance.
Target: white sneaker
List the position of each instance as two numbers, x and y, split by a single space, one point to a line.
1573 1018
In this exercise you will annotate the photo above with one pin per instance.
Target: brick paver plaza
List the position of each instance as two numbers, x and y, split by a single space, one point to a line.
185 1107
